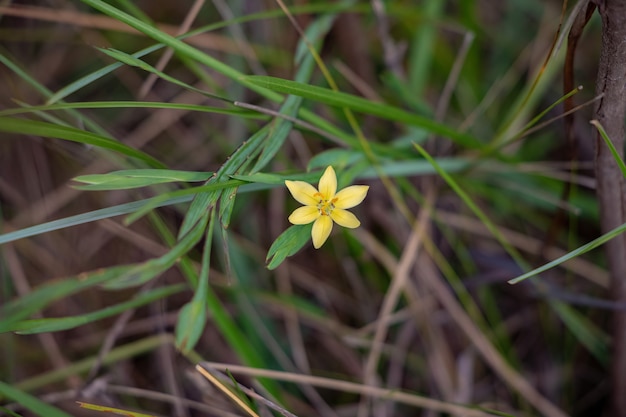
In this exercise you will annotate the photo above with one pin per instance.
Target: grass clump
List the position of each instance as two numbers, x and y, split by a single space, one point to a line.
146 254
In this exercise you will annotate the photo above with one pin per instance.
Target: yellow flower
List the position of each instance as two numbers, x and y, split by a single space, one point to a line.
325 205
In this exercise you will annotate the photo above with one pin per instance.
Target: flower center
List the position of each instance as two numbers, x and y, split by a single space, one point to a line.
325 206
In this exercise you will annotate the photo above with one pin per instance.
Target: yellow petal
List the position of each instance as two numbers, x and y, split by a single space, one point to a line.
321 230
328 183
304 215
345 218
303 192
351 196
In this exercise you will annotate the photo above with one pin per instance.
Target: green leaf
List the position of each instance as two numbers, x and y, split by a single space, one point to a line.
52 291
262 178
227 204
359 104
66 323
204 201
609 143
134 178
176 44
576 252
30 402
49 130
236 111
191 321
136 62
146 271
192 317
278 131
288 243
90 216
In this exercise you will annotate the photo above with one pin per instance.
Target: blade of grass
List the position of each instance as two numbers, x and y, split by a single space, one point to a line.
121 353
176 44
573 254
66 323
421 54
49 292
136 62
193 315
359 104
609 143
134 178
30 402
237 111
49 130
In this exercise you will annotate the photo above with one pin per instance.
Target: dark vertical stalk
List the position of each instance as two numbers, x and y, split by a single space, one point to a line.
610 112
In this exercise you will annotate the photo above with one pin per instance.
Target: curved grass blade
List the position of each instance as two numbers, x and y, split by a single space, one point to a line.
204 201
49 130
148 270
177 45
134 178
79 366
193 316
359 104
45 294
609 143
47 93
30 402
88 217
66 323
136 62
576 252
236 111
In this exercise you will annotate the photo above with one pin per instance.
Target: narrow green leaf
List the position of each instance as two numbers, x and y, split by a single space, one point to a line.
30 402
236 111
191 321
359 104
66 323
49 292
576 252
134 178
421 56
278 132
227 204
192 317
136 62
49 130
609 143
150 269
178 45
203 201
288 243
143 272
262 178
89 217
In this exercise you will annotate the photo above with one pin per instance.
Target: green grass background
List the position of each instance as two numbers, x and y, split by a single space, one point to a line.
144 216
